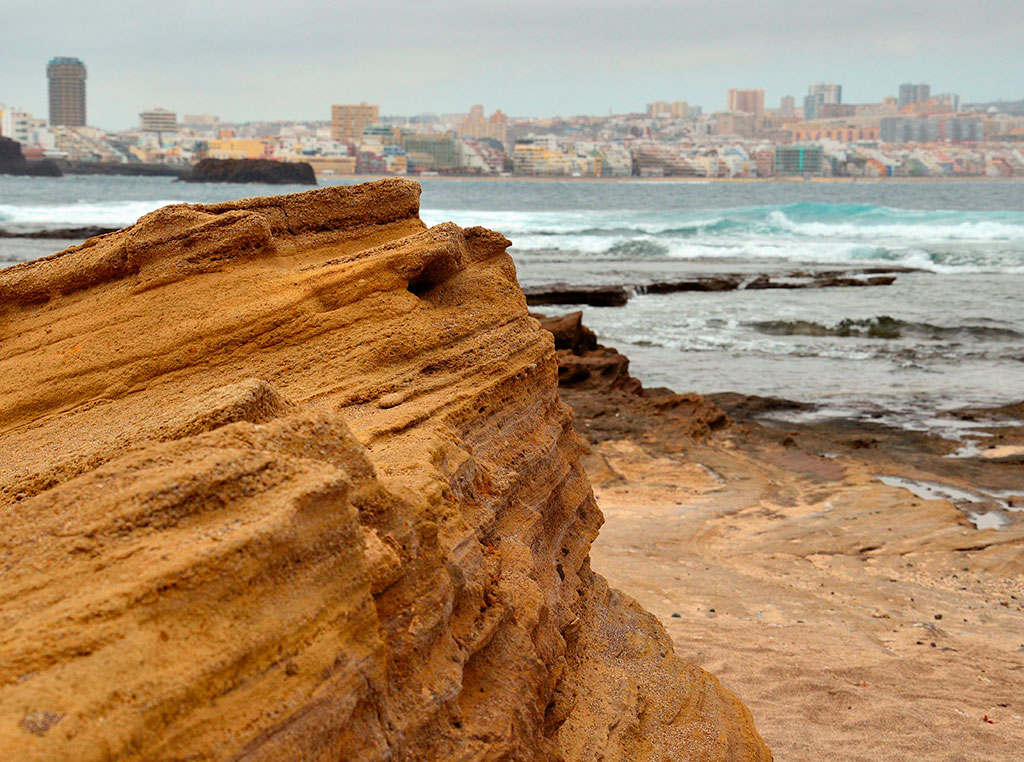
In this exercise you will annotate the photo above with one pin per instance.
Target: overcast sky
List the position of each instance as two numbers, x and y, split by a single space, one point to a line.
251 59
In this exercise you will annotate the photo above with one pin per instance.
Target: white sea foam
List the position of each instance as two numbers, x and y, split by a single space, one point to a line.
114 213
941 241
917 230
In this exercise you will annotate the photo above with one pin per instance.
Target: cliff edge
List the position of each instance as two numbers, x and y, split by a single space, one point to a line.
289 478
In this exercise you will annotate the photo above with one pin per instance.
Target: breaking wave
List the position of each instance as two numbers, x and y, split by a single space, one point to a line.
938 240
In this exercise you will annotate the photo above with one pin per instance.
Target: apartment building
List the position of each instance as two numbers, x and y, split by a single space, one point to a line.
348 121
158 120
747 101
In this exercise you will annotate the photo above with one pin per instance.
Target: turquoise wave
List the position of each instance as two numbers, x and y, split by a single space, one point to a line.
801 219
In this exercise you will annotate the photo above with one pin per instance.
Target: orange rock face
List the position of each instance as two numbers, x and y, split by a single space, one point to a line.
289 479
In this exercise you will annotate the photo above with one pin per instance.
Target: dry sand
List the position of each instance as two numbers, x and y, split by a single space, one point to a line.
856 620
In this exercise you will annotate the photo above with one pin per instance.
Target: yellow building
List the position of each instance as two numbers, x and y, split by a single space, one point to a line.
333 165
236 148
538 159
348 121
476 126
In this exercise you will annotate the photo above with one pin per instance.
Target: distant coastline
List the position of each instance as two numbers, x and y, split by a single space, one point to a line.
695 180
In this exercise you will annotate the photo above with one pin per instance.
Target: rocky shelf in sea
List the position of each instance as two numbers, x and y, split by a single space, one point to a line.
12 162
618 295
250 171
70 234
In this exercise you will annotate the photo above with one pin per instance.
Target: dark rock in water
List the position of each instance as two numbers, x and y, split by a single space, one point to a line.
594 296
12 162
883 327
250 171
135 169
890 270
89 231
617 296
763 282
717 283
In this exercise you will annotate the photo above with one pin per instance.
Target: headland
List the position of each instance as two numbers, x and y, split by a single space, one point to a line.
289 478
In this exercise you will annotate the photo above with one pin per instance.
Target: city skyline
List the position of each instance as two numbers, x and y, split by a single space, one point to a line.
555 58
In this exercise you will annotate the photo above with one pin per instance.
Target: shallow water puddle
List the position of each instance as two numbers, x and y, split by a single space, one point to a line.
958 496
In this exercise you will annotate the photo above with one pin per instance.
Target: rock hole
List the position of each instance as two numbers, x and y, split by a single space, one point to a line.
419 286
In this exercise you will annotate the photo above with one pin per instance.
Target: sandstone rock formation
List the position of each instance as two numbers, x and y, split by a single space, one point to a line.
288 479
611 404
250 171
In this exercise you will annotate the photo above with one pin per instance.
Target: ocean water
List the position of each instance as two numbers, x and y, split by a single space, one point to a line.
947 335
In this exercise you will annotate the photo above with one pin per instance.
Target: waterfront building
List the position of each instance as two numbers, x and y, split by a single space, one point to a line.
381 134
348 121
541 156
957 129
842 130
158 120
906 129
658 108
651 159
819 94
947 102
834 110
199 120
680 109
237 148
912 129
737 123
747 101
485 156
675 109
799 161
332 165
19 125
913 93
66 82
438 153
476 127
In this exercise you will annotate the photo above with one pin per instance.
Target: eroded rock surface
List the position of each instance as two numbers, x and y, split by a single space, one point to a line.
288 478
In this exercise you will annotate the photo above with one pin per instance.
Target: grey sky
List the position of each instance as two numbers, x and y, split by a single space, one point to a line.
291 60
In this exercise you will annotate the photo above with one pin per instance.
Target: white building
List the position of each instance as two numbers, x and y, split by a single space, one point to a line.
158 120
19 125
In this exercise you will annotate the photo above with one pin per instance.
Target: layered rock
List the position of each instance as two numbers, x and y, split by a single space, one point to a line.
289 478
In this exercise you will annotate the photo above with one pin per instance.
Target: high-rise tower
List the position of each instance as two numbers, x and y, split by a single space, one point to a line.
67 91
913 93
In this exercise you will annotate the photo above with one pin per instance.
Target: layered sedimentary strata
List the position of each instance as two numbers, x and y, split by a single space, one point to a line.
288 478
